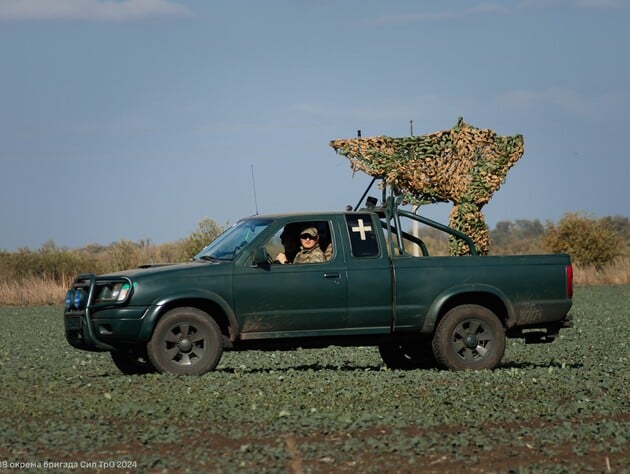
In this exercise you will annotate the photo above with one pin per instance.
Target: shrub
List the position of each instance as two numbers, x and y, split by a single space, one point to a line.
206 232
48 263
517 238
587 240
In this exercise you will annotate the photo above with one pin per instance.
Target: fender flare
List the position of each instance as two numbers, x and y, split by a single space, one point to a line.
157 308
460 291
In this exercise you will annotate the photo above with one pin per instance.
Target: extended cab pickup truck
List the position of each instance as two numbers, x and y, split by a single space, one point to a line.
377 286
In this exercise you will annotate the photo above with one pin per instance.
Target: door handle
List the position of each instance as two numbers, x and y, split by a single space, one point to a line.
332 275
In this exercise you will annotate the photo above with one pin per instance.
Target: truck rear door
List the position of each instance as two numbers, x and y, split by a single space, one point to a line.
369 275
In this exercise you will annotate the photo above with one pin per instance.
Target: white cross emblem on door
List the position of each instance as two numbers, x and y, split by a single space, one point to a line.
361 228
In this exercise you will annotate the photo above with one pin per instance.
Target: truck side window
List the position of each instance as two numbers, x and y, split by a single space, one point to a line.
288 241
362 235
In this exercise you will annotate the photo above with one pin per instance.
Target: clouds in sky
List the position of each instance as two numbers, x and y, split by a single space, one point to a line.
441 15
130 10
489 8
593 4
593 108
89 10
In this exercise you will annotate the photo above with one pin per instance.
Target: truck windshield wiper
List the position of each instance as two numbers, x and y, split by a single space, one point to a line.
208 258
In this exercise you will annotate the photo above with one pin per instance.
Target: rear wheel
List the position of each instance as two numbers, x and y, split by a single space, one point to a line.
186 341
469 337
408 354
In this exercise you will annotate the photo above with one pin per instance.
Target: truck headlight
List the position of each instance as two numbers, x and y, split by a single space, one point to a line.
114 292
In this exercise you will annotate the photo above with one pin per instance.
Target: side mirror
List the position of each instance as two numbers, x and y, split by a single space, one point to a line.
261 257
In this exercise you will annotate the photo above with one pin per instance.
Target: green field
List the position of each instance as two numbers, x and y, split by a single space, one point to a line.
561 407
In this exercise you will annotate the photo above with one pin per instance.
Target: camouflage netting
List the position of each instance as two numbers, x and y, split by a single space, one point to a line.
464 165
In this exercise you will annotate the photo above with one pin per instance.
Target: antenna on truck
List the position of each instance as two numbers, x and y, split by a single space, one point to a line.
254 189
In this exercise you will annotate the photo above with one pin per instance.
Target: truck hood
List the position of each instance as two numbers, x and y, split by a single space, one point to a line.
159 269
153 284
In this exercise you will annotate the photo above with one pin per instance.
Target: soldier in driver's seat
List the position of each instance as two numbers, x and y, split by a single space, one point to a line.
310 252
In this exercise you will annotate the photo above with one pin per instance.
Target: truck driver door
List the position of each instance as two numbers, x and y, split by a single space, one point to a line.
293 299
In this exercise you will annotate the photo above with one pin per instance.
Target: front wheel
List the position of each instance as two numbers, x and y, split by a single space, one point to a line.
469 337
186 341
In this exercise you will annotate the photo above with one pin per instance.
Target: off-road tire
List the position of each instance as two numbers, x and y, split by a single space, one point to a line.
469 337
185 341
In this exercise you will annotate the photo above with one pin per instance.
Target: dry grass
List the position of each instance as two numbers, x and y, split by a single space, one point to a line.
616 273
32 292
40 291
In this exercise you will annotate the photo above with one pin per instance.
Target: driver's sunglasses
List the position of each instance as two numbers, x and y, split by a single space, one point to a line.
307 237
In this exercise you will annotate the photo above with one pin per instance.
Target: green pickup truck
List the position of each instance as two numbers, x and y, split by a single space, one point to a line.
372 283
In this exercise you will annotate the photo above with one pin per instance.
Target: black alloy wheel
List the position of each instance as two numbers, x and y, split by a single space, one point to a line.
186 341
469 337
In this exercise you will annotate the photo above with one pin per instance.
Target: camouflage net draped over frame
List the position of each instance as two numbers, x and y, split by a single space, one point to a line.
464 165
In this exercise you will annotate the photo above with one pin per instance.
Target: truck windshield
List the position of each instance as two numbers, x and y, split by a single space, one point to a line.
227 245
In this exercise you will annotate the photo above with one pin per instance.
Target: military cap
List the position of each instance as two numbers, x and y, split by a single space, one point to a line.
312 231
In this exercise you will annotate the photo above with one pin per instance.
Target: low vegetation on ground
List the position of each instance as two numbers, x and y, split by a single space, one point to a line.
553 408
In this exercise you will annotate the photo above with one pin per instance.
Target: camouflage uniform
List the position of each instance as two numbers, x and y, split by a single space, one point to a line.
314 255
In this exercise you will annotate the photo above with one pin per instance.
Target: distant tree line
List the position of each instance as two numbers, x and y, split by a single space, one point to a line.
588 240
62 265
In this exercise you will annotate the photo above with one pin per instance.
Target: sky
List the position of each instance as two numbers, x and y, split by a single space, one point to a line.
136 119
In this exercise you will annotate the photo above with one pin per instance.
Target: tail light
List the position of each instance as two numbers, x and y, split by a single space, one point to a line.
570 281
